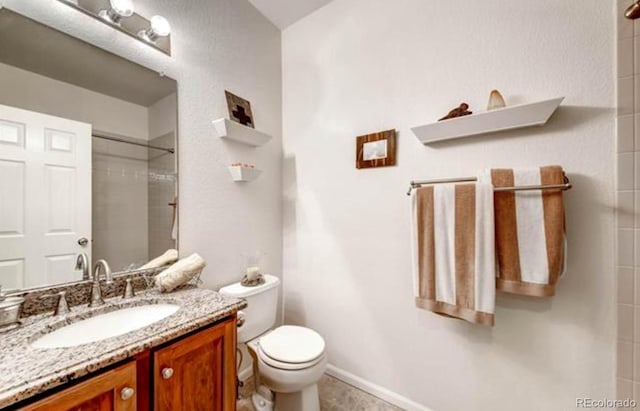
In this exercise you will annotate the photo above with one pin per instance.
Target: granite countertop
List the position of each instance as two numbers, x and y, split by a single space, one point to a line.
26 371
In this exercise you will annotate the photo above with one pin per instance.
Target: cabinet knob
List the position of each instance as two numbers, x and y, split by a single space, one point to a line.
167 373
127 393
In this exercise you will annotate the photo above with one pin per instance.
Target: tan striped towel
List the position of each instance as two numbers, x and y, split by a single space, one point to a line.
530 230
453 250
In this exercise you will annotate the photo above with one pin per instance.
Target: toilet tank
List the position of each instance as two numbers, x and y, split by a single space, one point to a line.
262 306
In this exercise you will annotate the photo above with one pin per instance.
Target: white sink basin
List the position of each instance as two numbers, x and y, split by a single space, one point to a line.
105 326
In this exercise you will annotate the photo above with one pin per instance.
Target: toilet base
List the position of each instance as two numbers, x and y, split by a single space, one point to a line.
305 400
261 403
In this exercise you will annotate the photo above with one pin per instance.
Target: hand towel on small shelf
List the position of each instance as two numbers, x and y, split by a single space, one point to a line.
169 257
530 230
180 273
453 250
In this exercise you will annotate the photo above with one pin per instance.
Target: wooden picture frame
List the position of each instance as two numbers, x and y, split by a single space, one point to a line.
376 150
239 109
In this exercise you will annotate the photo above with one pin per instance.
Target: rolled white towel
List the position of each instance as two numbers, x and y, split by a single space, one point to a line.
180 273
169 257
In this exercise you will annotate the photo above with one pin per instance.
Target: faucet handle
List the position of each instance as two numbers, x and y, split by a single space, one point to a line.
62 307
128 289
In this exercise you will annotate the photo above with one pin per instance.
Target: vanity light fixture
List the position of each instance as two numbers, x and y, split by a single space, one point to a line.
121 15
117 10
158 27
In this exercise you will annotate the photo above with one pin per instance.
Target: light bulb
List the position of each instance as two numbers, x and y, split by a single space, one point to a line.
159 27
117 10
123 8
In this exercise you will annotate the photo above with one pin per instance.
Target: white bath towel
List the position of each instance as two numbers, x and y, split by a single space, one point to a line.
169 257
453 250
180 273
530 230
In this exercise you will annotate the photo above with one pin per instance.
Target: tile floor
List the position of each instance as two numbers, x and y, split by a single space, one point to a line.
335 395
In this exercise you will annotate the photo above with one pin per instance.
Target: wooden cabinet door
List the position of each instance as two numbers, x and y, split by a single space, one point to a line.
111 391
197 373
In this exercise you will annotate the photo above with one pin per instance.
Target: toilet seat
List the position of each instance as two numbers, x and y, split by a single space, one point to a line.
291 348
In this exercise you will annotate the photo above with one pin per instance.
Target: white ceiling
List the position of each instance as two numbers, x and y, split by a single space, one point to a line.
283 13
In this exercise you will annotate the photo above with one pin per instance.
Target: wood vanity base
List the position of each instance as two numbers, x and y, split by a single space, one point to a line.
194 372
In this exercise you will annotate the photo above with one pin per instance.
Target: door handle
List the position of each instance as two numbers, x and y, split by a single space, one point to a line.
83 241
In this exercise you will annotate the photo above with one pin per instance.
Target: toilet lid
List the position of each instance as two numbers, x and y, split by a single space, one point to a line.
292 344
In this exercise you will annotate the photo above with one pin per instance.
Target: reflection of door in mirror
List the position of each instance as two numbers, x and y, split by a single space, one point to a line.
88 150
45 188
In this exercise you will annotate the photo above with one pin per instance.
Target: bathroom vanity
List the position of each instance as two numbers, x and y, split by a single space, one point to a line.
186 361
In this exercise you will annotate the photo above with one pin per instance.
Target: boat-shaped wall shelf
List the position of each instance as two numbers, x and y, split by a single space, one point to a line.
242 134
244 174
507 118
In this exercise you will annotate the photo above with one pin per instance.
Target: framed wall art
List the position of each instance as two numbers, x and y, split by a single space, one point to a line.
239 109
376 150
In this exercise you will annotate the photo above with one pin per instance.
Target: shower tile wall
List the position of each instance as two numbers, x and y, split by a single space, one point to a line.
628 205
120 203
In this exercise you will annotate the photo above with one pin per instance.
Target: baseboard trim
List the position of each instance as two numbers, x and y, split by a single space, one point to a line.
375 390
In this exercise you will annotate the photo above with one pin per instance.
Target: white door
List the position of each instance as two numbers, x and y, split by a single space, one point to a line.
45 197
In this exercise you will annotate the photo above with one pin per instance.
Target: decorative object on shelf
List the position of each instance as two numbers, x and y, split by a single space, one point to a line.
244 172
633 11
245 165
121 15
232 130
461 110
507 118
376 150
496 100
239 109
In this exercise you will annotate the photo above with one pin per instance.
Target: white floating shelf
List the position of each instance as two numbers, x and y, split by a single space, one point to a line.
507 118
242 134
244 174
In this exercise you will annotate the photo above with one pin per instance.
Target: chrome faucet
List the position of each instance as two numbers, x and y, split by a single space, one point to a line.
96 291
82 263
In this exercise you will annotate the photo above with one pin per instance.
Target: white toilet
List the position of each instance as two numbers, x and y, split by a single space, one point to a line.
290 359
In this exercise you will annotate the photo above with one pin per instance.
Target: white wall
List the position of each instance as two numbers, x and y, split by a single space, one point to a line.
217 44
31 91
163 116
360 66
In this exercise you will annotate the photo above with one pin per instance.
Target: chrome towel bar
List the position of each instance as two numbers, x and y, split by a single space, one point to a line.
566 186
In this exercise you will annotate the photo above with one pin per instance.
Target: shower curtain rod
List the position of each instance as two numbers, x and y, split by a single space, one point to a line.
119 140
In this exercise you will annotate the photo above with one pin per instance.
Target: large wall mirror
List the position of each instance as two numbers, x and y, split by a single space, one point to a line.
88 157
